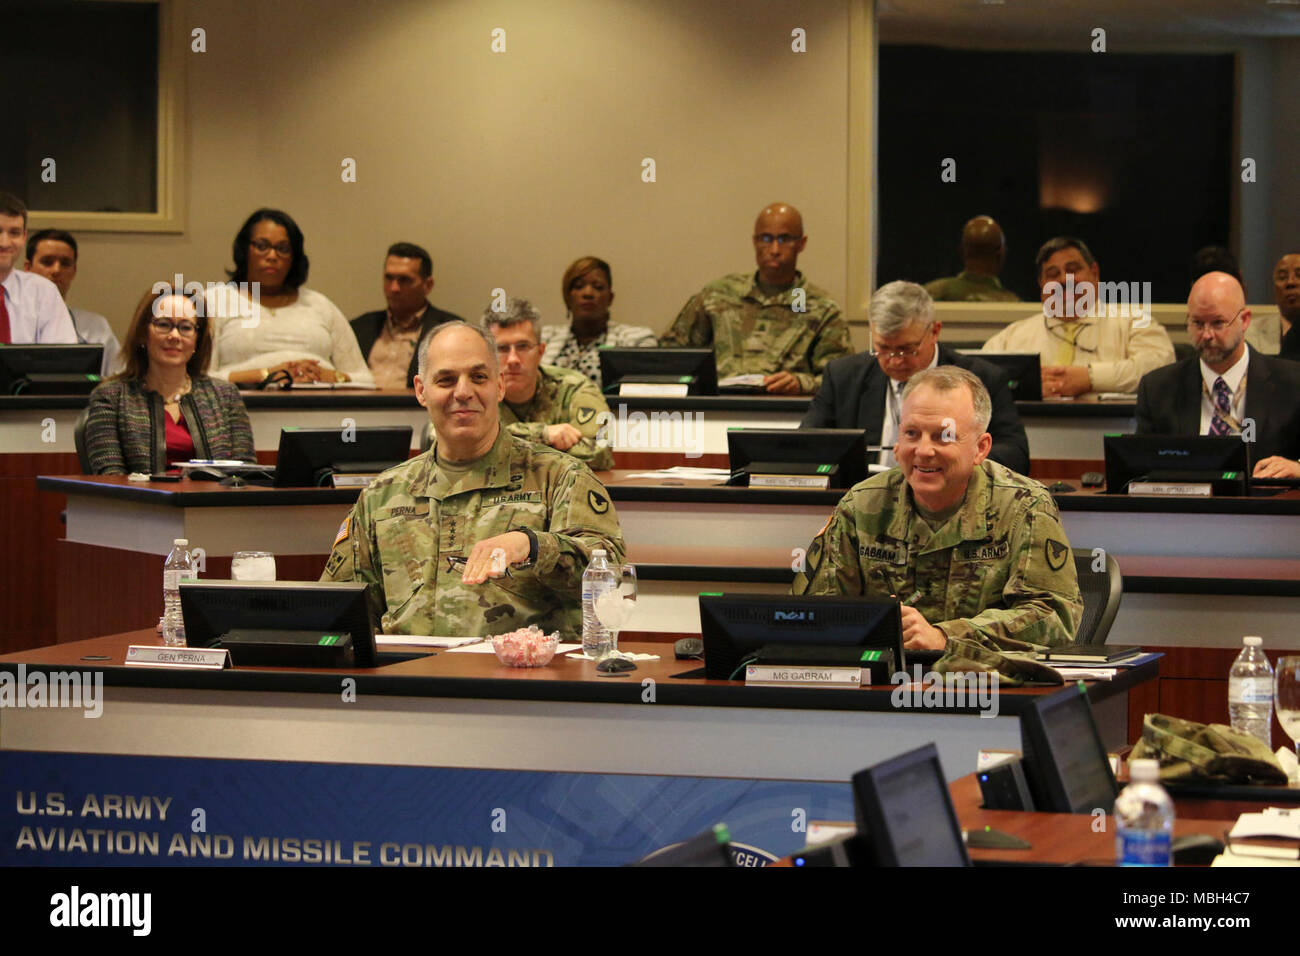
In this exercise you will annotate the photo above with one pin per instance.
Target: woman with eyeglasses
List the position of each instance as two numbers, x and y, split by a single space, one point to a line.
162 407
267 324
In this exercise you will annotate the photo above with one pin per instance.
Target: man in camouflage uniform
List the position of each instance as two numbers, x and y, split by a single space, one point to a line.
559 407
975 551
484 532
983 251
773 322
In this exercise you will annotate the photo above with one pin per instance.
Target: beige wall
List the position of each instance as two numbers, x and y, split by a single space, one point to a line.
505 166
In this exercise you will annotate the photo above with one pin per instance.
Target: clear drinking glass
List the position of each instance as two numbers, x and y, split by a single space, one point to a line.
614 608
252 566
1286 697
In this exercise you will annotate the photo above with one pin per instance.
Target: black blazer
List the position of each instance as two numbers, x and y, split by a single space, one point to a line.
1169 403
852 395
367 328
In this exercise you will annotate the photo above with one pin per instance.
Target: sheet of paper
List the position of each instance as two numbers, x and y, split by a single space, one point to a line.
1083 673
686 473
485 647
423 640
752 378
1267 824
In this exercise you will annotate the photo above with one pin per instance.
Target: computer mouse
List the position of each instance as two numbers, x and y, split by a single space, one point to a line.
205 474
688 648
1195 849
1092 479
615 665
1061 488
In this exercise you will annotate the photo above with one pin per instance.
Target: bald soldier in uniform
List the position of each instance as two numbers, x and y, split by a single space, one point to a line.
975 551
983 251
483 533
771 322
560 407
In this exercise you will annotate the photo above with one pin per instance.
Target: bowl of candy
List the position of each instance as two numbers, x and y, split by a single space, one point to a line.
526 647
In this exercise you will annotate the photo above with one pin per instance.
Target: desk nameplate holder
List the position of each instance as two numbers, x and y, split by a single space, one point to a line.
1190 489
654 389
185 658
778 675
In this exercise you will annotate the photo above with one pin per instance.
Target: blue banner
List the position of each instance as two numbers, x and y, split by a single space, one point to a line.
107 810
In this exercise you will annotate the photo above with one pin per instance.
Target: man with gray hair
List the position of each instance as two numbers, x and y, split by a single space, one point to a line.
975 552
559 407
484 532
866 390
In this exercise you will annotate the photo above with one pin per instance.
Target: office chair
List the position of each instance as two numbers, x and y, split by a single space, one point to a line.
1101 592
426 437
79 438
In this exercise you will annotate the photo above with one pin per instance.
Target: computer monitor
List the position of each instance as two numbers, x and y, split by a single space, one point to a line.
1223 462
905 814
311 456
1065 763
49 369
695 368
1024 371
213 608
837 453
734 627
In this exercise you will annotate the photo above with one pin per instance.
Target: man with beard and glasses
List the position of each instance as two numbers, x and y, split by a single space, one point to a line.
1227 388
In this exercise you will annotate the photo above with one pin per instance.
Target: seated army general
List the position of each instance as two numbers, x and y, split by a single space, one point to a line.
975 551
423 534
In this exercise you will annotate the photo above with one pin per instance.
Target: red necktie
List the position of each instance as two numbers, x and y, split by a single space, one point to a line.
4 319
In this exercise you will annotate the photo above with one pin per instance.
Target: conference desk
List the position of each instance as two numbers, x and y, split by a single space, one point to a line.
651 750
1192 587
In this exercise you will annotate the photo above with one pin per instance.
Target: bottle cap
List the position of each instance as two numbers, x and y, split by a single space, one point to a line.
182 542
1252 641
1144 771
598 552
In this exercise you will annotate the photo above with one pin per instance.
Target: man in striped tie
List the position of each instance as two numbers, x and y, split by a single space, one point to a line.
1227 388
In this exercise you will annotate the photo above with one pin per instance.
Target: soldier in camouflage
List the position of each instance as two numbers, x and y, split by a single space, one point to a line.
773 322
975 551
483 533
559 407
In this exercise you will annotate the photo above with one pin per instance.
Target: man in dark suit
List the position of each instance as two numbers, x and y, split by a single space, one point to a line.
1227 388
389 338
865 390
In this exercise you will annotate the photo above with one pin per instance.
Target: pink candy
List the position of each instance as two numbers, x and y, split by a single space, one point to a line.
526 647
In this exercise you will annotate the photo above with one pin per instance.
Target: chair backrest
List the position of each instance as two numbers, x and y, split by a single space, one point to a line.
1101 592
79 437
426 437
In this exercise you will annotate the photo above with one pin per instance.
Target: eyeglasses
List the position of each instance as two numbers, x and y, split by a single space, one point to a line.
523 348
902 351
187 330
784 239
1217 326
262 246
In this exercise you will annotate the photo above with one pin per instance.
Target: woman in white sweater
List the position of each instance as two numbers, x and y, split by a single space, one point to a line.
283 326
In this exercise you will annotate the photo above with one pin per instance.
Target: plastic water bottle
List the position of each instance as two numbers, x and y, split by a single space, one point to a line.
178 566
597 641
1250 692
1144 818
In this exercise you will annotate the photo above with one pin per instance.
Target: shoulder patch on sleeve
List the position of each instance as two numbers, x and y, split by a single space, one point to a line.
598 502
585 415
344 530
1056 553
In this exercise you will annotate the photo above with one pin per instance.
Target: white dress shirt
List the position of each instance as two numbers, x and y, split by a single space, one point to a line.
37 315
1235 379
93 329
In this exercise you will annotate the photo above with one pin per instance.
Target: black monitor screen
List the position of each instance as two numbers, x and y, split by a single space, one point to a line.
696 368
1024 371
309 456
1132 458
840 453
213 608
49 369
734 626
1065 762
905 814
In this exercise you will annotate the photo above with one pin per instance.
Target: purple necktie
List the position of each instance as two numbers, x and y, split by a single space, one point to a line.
1222 409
